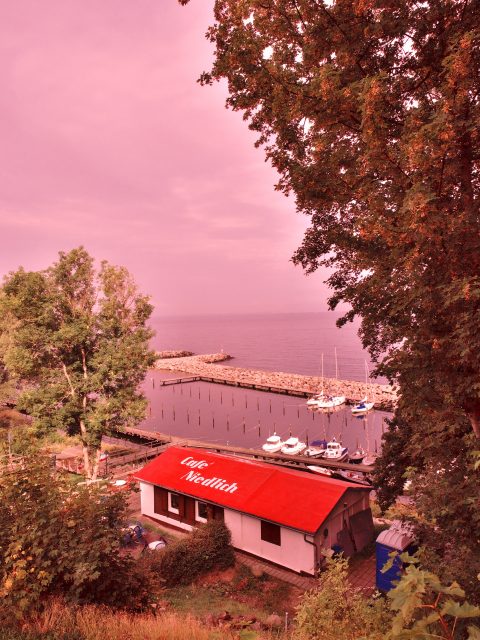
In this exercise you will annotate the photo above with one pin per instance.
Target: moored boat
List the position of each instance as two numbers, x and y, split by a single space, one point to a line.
323 471
273 444
316 449
335 451
293 446
357 456
362 407
370 459
352 476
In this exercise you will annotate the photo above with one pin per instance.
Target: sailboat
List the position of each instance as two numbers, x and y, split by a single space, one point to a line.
322 401
364 405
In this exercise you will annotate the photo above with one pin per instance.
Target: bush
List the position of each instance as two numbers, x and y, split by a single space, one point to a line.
63 540
206 548
335 610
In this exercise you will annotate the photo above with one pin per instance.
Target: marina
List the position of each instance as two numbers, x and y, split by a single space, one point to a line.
230 415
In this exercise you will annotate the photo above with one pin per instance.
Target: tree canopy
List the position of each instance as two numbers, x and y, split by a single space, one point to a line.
78 343
369 110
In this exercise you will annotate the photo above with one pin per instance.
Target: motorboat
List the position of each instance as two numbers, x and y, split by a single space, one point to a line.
273 444
293 446
323 471
370 459
357 456
316 449
335 451
352 476
362 407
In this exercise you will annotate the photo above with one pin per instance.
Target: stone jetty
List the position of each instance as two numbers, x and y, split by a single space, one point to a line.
205 365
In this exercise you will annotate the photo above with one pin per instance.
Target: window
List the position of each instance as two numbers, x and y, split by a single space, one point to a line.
200 511
173 503
270 533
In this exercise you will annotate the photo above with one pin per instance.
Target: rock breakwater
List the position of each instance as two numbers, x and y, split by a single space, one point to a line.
204 365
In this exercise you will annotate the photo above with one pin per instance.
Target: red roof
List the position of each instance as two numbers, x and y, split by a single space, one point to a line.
293 499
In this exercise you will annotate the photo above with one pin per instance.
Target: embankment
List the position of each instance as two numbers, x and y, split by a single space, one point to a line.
204 365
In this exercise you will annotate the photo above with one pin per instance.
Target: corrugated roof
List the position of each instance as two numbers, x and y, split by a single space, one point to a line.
291 498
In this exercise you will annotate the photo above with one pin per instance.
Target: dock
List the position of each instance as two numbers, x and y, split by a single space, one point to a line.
205 368
160 441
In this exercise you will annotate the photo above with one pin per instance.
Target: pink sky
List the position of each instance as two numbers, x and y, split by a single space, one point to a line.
108 141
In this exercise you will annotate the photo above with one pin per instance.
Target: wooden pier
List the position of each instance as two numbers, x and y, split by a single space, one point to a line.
160 441
299 393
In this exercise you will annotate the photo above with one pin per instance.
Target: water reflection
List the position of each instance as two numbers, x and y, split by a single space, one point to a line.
245 418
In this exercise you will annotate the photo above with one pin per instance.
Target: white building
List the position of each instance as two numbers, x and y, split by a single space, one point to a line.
284 516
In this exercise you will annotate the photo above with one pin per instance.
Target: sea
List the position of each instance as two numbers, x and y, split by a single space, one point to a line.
301 343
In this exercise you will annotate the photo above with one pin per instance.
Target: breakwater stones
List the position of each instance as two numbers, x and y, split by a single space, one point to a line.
383 395
173 354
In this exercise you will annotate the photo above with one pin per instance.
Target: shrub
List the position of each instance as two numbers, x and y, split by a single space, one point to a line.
59 539
335 610
206 548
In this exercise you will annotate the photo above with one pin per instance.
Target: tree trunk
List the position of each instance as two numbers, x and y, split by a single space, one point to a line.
86 457
95 463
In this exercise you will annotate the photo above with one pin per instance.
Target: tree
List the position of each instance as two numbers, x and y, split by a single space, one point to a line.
63 540
79 344
369 110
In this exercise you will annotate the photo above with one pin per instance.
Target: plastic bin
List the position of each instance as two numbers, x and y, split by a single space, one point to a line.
399 537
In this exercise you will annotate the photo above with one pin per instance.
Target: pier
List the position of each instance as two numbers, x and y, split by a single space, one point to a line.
159 441
205 368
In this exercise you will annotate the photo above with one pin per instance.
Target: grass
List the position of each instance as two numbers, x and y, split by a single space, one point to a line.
61 622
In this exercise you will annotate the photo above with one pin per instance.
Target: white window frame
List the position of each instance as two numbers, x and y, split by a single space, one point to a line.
198 517
171 508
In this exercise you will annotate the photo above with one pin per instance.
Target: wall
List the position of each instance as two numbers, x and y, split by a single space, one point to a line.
146 507
356 501
294 553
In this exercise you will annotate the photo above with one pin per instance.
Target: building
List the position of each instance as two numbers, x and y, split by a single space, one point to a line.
287 517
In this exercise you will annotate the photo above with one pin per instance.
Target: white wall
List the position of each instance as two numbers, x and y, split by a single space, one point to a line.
146 507
294 552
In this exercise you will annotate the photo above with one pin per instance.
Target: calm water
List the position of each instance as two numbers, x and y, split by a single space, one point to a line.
245 418
292 342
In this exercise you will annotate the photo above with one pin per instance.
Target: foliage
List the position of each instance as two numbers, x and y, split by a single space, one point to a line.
425 608
369 111
335 610
207 547
77 340
57 539
59 621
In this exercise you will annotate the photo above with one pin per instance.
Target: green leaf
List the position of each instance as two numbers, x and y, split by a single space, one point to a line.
464 610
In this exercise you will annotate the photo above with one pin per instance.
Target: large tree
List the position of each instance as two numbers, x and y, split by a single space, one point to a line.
78 343
369 110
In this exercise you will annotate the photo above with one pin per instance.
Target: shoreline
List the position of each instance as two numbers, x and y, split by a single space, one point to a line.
383 395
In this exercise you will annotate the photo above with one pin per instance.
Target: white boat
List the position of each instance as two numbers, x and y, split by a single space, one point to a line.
273 444
323 471
353 476
362 407
314 400
316 449
370 459
293 446
357 456
329 402
335 451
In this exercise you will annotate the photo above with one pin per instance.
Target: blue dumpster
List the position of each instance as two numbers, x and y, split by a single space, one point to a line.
399 537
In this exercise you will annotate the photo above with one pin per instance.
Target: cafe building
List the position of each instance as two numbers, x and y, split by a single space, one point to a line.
291 518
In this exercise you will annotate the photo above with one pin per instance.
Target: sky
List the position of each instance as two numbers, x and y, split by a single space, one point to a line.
108 141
